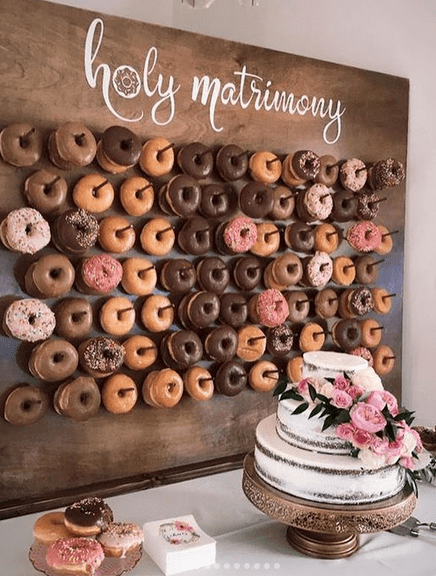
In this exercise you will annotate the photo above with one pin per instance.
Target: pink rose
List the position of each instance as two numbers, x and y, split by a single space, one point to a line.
379 445
367 417
341 399
355 391
345 431
407 462
362 438
303 385
419 446
376 399
391 402
394 450
341 383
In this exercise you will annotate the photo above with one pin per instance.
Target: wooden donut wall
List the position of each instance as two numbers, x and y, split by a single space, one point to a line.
185 88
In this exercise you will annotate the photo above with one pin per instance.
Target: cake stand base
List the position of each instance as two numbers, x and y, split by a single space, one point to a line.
328 531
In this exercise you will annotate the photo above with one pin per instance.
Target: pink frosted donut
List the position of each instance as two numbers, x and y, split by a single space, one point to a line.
24 230
364 236
78 555
364 353
99 274
240 234
272 308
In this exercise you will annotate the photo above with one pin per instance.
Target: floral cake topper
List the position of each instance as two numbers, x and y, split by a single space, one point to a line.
178 532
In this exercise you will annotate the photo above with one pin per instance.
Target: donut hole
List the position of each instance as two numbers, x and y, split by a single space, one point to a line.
28 230
244 232
79 139
31 319
58 357
26 405
218 274
126 144
138 194
189 348
208 308
204 383
352 334
235 378
236 308
188 194
77 317
226 343
252 272
260 198
84 398
291 268
55 273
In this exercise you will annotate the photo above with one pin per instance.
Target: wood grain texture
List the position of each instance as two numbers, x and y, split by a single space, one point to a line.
42 79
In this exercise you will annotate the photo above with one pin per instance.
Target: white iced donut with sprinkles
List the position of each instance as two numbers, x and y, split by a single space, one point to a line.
25 230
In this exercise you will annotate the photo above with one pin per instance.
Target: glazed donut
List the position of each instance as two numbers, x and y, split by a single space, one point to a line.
287 269
28 319
178 275
181 349
251 343
53 360
140 352
136 195
312 337
256 200
71 145
326 238
116 234
50 527
21 144
346 334
263 376
25 404
384 360
306 164
69 555
217 200
364 236
328 171
344 304
78 399
198 383
344 271
268 239
353 175
196 160
99 274
368 204
213 274
157 313
294 369
231 162
344 206
119 394
371 333
139 276
299 237
220 343
298 304
195 236
288 174
100 356
181 196
162 388
283 203
269 280
366 269
88 517
326 303
157 157
318 270
386 244
233 309
94 193
117 316
382 300
46 191
157 237
279 340
50 277
118 149
230 378
265 167
247 272
24 230
236 236
75 231
385 174
74 318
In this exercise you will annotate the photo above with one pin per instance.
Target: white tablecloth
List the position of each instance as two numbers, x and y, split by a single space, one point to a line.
248 542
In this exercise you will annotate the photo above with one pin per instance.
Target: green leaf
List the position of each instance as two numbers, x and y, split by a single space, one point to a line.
329 421
301 408
280 388
343 416
316 410
391 431
312 393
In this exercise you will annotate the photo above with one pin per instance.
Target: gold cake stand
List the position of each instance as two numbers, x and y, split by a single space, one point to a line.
325 530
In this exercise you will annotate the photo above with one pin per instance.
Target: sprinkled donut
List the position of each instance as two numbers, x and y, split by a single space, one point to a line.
306 164
363 353
272 308
99 274
236 236
279 340
386 174
361 301
100 356
88 517
317 203
29 319
25 230
75 231
353 175
70 554
318 270
364 236
368 205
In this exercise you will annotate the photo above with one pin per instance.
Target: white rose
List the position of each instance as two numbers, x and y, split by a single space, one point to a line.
371 460
327 389
409 443
367 379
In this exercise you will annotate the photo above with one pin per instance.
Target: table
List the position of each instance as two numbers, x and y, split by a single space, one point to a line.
248 542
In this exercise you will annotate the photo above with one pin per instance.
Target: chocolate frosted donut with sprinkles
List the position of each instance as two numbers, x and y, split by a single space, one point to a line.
88 516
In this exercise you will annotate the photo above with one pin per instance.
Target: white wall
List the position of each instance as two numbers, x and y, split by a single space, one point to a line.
390 36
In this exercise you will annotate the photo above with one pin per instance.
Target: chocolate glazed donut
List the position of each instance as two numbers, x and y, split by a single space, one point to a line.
256 200
182 195
300 237
196 159
220 343
181 349
233 309
195 236
247 273
178 275
231 162
231 378
213 274
217 200
344 206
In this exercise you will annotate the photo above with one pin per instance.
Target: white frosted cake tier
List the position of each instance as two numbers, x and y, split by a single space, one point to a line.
303 432
320 477
329 364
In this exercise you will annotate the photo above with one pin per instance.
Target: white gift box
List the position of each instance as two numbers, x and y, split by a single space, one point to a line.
178 544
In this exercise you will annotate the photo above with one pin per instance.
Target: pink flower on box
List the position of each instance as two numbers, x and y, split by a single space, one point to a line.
367 417
341 399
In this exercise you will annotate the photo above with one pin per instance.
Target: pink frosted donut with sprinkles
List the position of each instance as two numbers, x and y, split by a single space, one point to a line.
364 236
25 230
272 308
240 234
75 555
